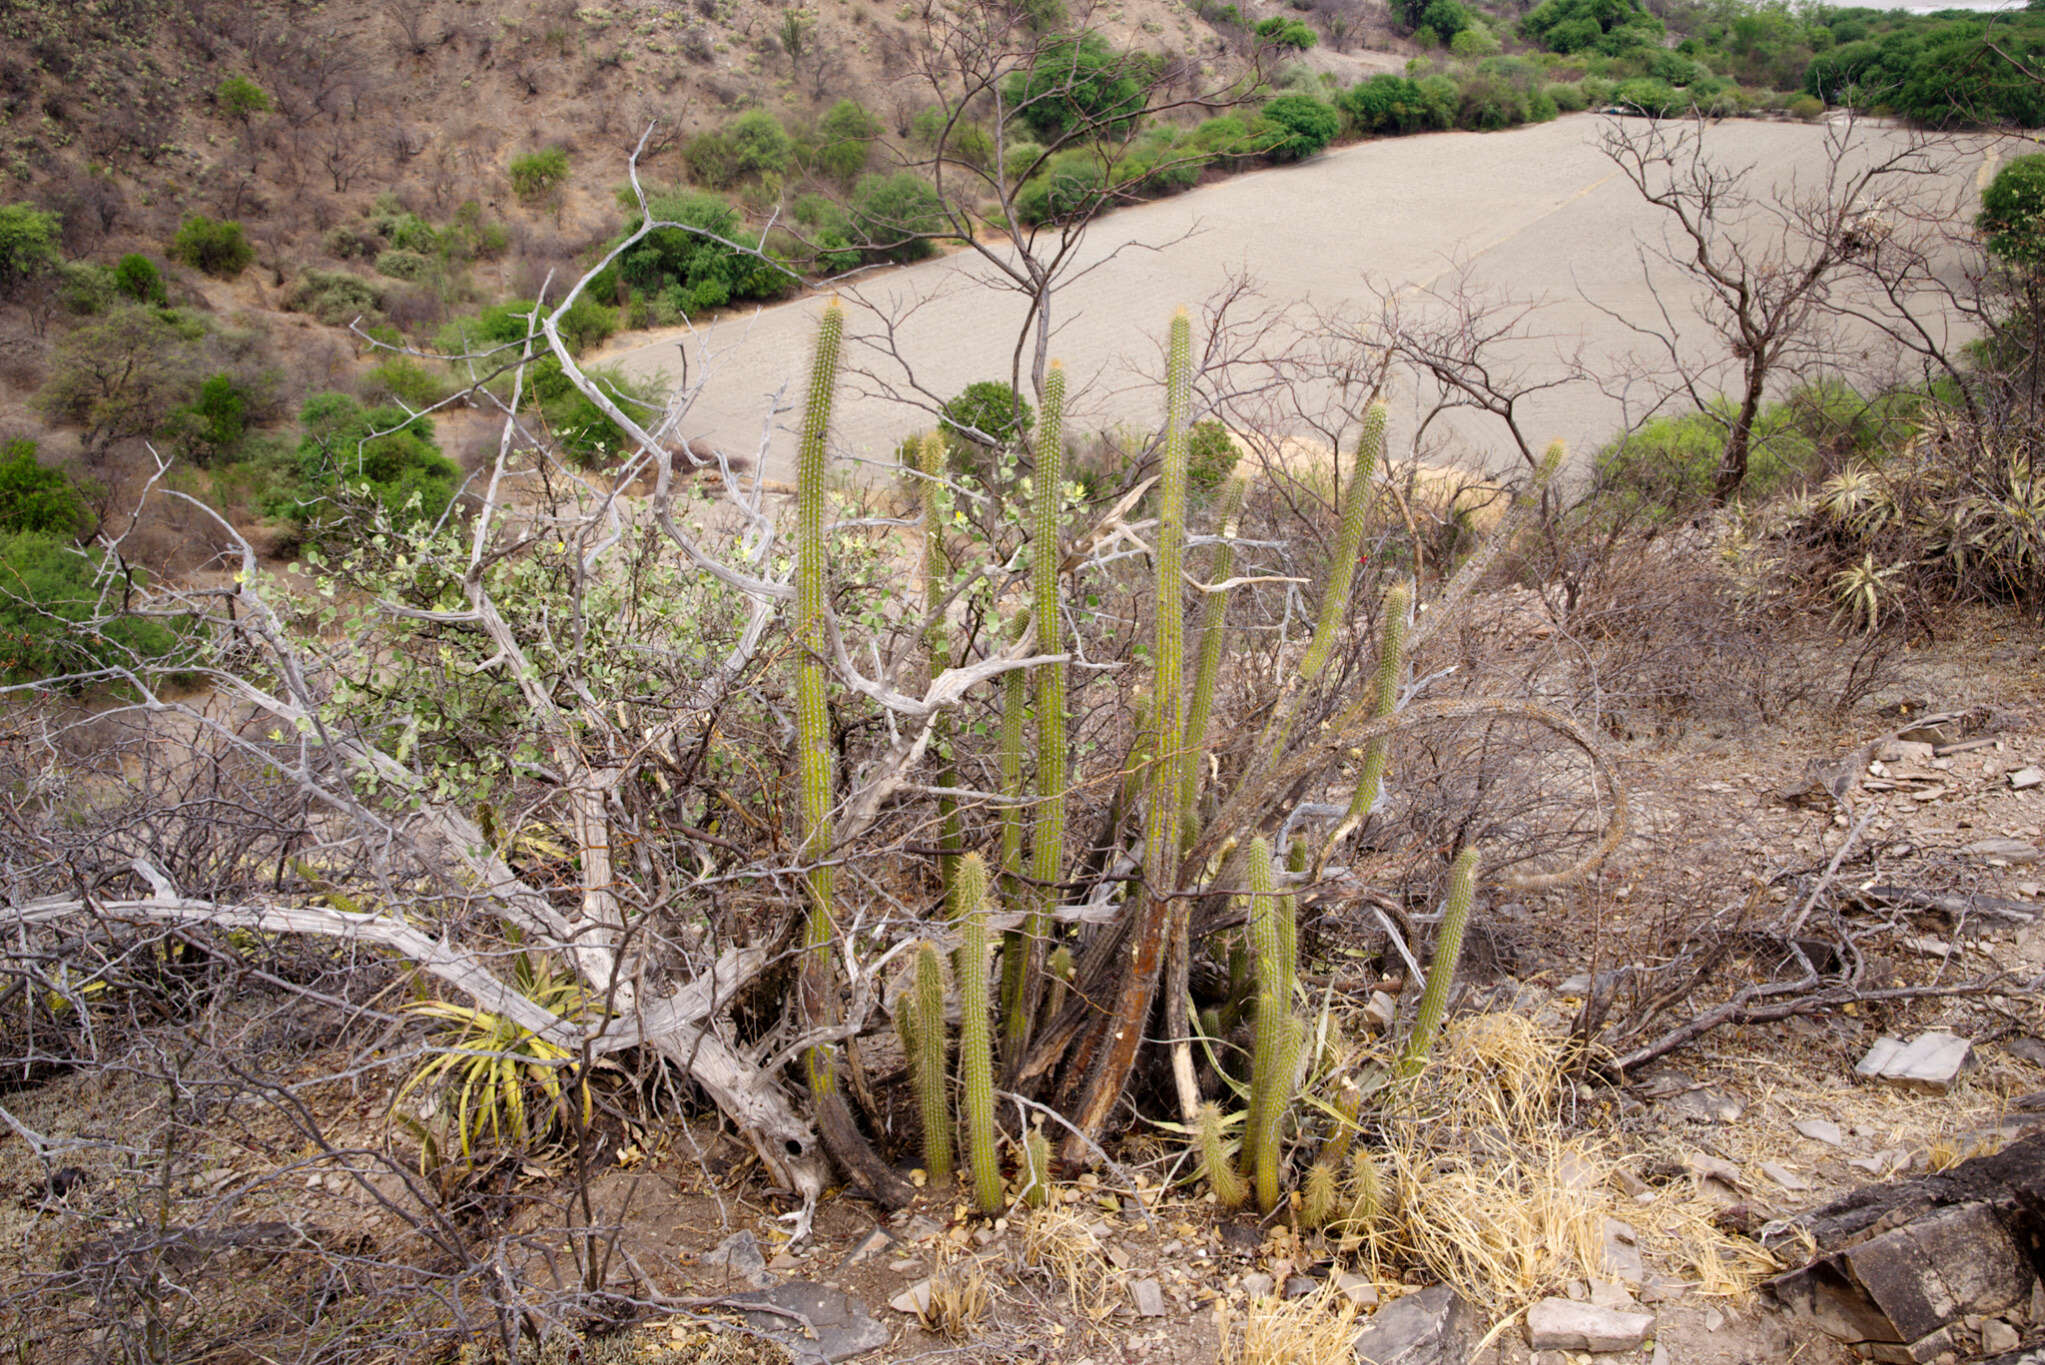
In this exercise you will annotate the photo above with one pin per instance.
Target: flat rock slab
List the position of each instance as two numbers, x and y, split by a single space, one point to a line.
1149 1298
830 1325
1433 1327
1930 1061
1565 1325
1820 1130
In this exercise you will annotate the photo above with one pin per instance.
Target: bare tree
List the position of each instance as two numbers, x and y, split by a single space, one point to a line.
1766 259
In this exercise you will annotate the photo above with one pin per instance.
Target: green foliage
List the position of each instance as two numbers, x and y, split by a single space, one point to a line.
378 453
219 248
239 97
1211 456
1652 97
1389 104
1077 87
845 137
1806 107
405 380
1302 126
1282 31
695 265
896 216
1946 70
1072 185
1568 97
985 420
121 375
136 277
1447 18
1610 27
60 613
28 244
36 498
2012 219
84 288
759 145
1668 467
1473 43
212 426
406 265
335 297
582 429
534 175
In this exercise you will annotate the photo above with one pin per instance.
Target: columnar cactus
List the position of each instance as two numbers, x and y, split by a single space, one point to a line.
976 1040
1036 1169
1047 836
1228 1185
813 720
937 639
925 1040
1274 1063
1441 968
1161 825
1385 691
1213 632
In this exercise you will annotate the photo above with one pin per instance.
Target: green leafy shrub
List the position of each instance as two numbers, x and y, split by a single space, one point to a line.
845 138
2012 218
1301 126
1077 86
378 453
28 244
1567 97
335 297
36 498
217 247
85 288
121 375
1474 42
1806 107
1610 27
212 426
897 215
535 175
1446 17
136 277
405 265
693 267
1073 184
981 424
827 234
1388 104
1282 31
1211 456
759 144
585 433
1649 96
239 97
60 614
405 380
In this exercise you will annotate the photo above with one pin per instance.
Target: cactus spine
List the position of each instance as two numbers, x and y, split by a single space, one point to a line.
936 638
925 1040
1275 1061
1441 968
1047 835
976 1041
1213 631
813 720
1228 1185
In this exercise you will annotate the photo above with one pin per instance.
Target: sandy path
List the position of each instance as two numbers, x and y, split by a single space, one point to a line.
1538 210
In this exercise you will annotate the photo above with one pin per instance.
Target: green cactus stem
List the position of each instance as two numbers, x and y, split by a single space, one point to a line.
1047 834
1323 1195
925 1039
1275 1059
1036 1168
1230 1190
1441 968
937 641
1207 669
1385 690
976 1039
1367 1195
813 720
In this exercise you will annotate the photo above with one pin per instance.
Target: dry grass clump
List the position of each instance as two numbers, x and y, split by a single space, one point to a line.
1488 1193
959 1298
1311 1330
1058 1242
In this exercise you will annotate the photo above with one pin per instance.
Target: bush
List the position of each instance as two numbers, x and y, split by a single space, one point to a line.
1294 127
34 497
537 174
687 270
1077 86
845 137
759 145
587 324
1281 31
2012 218
1474 42
1650 97
994 411
136 277
219 248
1566 96
28 244
1806 107
335 297
211 427
54 610
85 288
1446 17
1211 457
897 215
405 380
588 436
378 453
1389 104
1610 27
405 265
239 97
1072 184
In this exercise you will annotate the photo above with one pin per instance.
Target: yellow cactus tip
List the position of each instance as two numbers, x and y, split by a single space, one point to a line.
1057 364
1181 315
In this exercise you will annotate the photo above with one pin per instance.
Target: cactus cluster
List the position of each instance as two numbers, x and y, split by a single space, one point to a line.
1073 1011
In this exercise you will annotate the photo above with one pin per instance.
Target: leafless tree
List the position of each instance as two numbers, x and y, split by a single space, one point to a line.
1766 259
